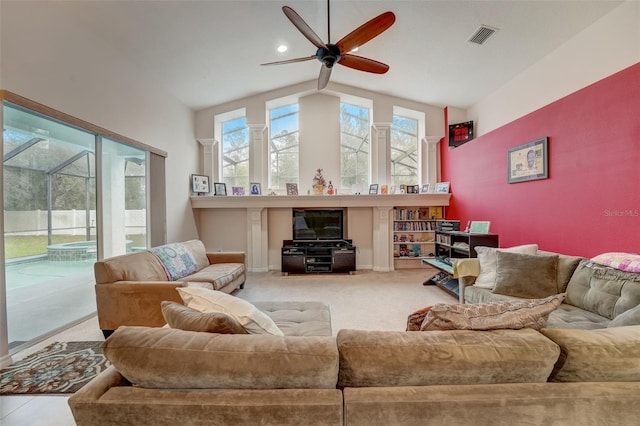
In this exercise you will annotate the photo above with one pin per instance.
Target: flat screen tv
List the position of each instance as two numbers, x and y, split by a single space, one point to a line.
460 133
326 224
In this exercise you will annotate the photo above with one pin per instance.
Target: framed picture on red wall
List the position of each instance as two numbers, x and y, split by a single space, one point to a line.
529 161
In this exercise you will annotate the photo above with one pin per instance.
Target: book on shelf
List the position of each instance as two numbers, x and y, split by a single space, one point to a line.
436 212
422 213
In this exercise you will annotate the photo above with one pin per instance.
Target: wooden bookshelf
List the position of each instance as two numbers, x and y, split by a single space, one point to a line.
414 234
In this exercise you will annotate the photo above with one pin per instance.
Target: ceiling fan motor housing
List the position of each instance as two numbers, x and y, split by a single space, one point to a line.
328 56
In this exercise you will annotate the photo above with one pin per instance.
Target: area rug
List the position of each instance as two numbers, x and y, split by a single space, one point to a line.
62 367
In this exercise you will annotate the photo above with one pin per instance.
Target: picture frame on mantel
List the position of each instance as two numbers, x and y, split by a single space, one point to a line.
442 187
200 184
529 161
220 188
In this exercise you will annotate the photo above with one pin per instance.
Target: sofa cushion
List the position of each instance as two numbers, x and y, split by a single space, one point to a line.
526 275
396 358
569 316
630 317
603 290
607 355
218 274
250 317
487 258
531 313
298 318
140 266
623 261
166 358
185 318
177 260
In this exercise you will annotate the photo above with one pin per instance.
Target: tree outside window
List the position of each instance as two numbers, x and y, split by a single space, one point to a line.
354 146
404 151
235 152
284 146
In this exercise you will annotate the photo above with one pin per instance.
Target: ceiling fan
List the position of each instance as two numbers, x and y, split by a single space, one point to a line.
329 54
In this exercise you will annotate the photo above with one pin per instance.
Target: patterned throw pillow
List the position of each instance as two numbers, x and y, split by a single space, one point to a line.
177 260
492 316
184 318
414 320
623 261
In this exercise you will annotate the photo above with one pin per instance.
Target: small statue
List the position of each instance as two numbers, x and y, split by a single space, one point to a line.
330 189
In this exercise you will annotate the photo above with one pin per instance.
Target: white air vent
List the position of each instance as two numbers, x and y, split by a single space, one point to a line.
482 34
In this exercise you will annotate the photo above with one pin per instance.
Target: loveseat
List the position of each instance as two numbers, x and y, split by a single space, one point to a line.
168 376
597 295
129 288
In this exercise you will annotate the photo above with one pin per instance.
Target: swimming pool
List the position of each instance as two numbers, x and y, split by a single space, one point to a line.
76 251
72 252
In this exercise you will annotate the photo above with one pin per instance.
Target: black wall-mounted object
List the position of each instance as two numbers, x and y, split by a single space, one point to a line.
460 133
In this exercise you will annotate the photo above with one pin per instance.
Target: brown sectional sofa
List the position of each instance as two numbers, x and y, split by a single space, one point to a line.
131 287
596 296
164 376
562 375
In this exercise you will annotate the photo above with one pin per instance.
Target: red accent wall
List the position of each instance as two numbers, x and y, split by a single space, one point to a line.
590 203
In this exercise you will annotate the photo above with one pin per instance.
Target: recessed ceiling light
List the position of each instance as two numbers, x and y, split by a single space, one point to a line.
282 48
355 49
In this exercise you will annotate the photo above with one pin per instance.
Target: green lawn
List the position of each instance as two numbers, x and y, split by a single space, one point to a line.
31 245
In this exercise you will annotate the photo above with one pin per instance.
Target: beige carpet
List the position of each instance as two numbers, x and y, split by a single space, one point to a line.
366 300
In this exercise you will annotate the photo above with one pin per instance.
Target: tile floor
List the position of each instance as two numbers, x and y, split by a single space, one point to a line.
46 410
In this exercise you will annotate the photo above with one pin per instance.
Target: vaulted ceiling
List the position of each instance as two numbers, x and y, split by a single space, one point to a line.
209 52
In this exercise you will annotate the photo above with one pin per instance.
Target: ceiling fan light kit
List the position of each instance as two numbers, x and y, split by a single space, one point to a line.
329 54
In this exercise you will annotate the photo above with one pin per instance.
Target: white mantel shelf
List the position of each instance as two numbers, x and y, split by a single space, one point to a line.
286 201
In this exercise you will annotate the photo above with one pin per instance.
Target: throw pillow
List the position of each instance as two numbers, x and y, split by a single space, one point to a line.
630 317
415 319
623 261
487 259
184 318
250 317
177 260
492 316
529 276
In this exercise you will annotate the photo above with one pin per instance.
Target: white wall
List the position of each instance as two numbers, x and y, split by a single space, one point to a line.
609 45
51 60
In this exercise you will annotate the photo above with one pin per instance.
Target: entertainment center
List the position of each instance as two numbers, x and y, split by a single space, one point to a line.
318 243
267 222
301 257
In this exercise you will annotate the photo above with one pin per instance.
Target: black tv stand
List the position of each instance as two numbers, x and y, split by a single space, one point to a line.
318 256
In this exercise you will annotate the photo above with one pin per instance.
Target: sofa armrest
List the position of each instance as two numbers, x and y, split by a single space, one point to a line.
463 283
92 391
134 302
226 257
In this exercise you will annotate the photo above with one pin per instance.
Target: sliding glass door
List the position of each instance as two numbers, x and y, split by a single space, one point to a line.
71 196
49 224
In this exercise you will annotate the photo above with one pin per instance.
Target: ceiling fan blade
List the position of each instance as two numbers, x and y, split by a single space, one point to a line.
323 78
302 26
290 61
366 32
363 64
